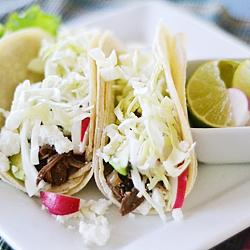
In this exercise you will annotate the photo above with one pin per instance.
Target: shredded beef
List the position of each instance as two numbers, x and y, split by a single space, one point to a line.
130 201
125 192
56 168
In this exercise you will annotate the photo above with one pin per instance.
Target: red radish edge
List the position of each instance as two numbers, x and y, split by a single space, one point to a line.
85 124
181 190
59 204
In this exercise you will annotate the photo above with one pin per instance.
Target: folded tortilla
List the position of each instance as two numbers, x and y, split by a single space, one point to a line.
172 50
16 51
37 150
143 142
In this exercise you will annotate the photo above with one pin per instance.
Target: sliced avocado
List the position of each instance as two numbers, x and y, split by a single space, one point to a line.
17 166
119 161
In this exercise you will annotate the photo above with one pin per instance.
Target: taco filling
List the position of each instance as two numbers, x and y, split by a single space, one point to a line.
56 168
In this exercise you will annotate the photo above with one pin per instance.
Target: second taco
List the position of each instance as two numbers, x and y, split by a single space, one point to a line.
144 159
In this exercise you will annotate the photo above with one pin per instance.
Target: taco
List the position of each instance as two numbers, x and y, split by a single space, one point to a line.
47 139
144 159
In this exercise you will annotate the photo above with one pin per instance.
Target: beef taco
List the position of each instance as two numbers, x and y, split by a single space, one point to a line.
144 159
46 142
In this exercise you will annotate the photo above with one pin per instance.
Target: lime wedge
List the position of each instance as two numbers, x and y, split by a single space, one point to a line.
227 69
241 79
207 98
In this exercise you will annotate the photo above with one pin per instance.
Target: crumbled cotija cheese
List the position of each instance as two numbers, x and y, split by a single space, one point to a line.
94 233
14 169
4 162
91 220
9 142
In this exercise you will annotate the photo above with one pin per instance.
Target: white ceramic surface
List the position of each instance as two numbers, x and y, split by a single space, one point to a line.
218 206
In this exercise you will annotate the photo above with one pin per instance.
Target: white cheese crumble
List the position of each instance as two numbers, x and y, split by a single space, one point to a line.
4 162
177 214
9 142
14 169
144 208
50 134
94 234
184 146
90 221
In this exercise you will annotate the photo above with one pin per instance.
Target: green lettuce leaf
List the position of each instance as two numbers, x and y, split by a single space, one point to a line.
32 17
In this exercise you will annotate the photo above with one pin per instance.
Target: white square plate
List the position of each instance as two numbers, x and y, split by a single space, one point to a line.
218 206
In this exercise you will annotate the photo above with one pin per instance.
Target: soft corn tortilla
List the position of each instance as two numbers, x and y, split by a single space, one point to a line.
16 51
104 115
23 46
164 43
178 66
174 60
75 183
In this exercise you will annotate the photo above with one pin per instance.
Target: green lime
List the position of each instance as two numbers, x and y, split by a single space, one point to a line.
207 99
227 69
241 79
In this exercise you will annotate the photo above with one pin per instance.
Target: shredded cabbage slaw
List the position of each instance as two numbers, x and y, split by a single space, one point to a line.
146 133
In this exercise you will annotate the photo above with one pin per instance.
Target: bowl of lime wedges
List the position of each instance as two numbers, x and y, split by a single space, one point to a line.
218 101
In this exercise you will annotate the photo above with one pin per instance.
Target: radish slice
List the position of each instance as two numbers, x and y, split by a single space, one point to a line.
178 185
181 190
79 135
59 204
240 106
84 126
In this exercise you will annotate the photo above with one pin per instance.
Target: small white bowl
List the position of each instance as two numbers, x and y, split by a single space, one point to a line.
220 145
